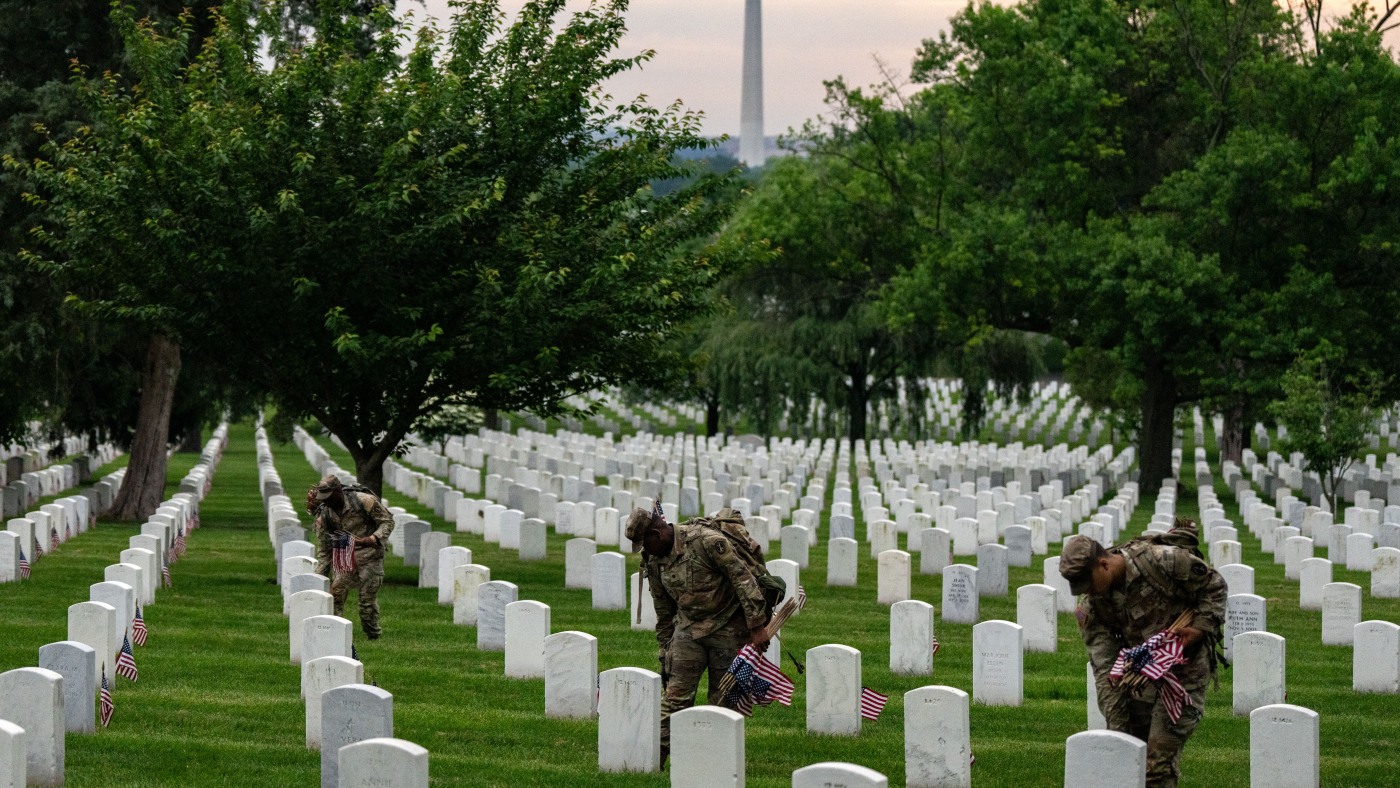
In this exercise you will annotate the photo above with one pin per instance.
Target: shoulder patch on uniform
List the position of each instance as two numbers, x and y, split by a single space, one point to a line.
1198 568
721 546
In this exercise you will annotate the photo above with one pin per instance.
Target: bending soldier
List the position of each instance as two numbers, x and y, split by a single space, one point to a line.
1131 592
708 605
361 523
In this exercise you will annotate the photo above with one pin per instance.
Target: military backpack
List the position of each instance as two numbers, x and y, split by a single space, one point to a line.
730 522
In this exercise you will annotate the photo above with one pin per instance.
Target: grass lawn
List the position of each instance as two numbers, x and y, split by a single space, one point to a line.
218 702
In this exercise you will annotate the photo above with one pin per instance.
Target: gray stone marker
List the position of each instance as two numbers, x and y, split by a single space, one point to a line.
492 598
1375 657
319 675
1385 573
1065 600
383 762
707 748
935 550
351 713
1105 759
833 690
998 659
1284 747
412 531
1239 578
578 562
843 527
629 720
77 664
960 598
14 767
937 738
32 698
795 544
609 581
992 572
429 543
533 542
1259 667
570 675
832 774
1018 545
911 638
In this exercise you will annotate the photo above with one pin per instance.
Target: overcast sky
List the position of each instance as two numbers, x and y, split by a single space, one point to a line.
699 50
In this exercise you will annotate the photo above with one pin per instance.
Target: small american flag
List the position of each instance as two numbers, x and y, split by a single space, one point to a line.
126 661
756 682
165 575
138 628
107 707
23 566
38 550
53 541
656 509
935 646
1155 659
872 703
343 552
170 556
801 597
180 542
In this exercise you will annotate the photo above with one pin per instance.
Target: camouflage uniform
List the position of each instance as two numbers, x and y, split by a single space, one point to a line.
706 601
1161 582
369 519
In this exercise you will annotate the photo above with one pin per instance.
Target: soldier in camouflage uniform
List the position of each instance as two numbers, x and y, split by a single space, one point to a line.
708 605
369 524
1131 592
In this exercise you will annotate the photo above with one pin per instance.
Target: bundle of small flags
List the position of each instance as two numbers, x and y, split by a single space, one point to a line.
656 509
107 707
872 703
138 628
1153 661
23 566
754 681
343 552
126 660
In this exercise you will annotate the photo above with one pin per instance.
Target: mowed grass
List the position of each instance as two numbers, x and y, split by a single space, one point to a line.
218 701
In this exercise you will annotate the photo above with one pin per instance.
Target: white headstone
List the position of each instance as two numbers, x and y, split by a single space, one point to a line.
1243 613
609 581
383 763
448 559
527 625
466 585
491 601
319 675
1313 575
578 562
935 550
122 598
997 660
937 738
570 675
1341 612
1239 578
1105 759
1385 573
14 766
842 558
893 577
992 572
77 664
32 698
351 713
1376 657
1259 668
911 638
960 598
832 774
1284 747
91 623
629 720
707 748
833 690
304 605
324 636
1036 613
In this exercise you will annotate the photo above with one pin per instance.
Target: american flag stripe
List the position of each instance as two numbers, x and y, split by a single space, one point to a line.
23 566
936 646
343 553
126 660
872 703
781 688
107 707
53 541
165 575
656 509
138 628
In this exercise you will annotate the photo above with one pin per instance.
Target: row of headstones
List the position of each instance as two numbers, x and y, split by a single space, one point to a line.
40 705
1259 667
37 532
26 489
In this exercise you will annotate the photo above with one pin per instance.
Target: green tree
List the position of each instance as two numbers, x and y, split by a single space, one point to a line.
1328 414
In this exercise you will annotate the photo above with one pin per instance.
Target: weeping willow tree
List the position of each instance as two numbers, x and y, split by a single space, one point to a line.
1008 360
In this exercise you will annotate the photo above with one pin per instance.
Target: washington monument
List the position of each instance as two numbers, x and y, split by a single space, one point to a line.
751 111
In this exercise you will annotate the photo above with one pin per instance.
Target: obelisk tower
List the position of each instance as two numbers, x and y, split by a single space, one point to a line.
751 111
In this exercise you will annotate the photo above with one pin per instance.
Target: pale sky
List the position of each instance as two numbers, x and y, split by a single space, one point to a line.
699 50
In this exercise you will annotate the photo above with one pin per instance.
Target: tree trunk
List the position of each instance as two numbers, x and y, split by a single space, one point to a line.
1233 435
857 398
492 419
143 488
711 415
1155 437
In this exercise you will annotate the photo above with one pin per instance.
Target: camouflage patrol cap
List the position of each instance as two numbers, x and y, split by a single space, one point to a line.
1077 562
638 523
327 486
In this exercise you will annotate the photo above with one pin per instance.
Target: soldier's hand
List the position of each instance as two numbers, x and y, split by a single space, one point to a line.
1191 639
759 637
